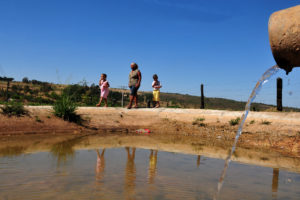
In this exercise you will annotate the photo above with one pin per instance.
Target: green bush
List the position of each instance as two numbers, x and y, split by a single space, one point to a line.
14 109
265 122
235 121
65 108
199 122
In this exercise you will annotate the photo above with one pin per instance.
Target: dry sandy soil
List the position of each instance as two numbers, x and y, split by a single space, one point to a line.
265 131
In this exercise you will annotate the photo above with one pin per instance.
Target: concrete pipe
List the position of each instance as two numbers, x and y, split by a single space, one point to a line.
284 35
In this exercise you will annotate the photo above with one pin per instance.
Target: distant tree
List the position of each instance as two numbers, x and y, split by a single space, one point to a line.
14 88
6 79
115 97
75 92
94 90
26 89
35 92
46 87
53 95
35 82
25 80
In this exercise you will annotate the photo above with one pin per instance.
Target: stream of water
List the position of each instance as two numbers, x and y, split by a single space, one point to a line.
265 77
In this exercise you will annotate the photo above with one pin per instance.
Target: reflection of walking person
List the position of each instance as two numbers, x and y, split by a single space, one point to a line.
198 160
152 166
156 87
104 85
130 174
100 165
135 78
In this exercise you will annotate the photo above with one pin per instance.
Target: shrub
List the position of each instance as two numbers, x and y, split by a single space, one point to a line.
37 119
14 109
199 122
65 108
53 95
235 121
200 119
14 88
265 122
45 87
252 121
75 92
26 89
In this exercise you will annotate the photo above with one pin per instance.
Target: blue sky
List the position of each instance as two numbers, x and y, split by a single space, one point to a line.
222 44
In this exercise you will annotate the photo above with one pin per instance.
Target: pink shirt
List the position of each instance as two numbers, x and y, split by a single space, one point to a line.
104 88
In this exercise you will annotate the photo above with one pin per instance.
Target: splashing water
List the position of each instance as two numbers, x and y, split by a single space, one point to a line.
265 77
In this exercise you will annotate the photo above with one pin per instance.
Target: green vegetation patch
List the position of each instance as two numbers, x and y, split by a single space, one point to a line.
14 109
65 108
199 121
37 119
265 122
235 121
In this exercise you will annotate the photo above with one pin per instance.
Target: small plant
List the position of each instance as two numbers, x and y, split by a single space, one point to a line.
199 121
252 121
265 122
37 119
48 116
65 108
202 124
235 121
13 109
264 158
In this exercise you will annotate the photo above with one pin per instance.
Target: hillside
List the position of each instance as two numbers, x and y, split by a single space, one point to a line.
33 92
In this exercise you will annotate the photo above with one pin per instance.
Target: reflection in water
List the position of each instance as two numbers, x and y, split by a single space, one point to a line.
130 174
152 166
198 160
35 176
64 150
275 182
11 151
100 166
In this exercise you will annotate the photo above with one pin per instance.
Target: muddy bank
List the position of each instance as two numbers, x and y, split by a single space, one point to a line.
267 131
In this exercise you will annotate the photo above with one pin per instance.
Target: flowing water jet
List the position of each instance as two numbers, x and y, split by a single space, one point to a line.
265 77
284 35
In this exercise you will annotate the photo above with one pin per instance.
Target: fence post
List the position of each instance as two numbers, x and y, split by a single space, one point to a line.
275 179
202 97
279 94
7 87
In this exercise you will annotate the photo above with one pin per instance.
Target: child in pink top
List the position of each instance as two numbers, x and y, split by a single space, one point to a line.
104 85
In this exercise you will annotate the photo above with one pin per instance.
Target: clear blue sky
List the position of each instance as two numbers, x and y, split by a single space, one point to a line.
222 44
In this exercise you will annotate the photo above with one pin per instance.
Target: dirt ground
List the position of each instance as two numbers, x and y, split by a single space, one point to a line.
267 131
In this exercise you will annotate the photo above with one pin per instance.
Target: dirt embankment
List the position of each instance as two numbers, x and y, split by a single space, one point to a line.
263 130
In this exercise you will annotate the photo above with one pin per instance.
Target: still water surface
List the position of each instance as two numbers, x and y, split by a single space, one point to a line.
129 173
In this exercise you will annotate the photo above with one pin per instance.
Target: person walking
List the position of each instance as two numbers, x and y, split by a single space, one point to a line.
104 85
135 78
156 93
